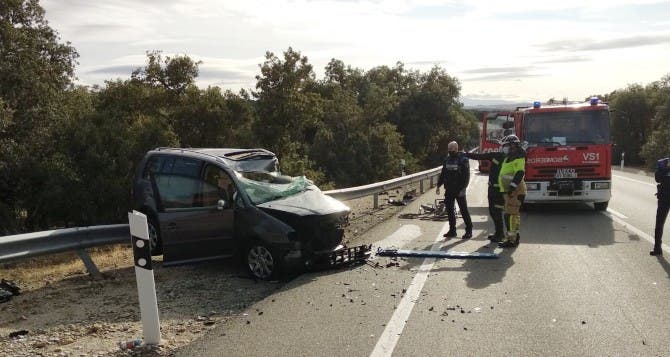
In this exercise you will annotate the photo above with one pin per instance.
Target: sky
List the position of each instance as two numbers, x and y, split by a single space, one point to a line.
513 51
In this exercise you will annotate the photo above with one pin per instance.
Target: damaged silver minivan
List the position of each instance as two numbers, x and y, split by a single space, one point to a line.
215 203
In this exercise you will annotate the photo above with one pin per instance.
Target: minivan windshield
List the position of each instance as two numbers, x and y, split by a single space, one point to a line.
566 128
263 187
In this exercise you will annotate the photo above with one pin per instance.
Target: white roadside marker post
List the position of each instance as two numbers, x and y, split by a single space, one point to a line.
144 273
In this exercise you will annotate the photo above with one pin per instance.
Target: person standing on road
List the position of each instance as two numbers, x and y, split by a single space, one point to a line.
662 176
513 187
495 197
455 177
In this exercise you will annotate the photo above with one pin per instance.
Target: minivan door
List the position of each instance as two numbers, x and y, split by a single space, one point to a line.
196 216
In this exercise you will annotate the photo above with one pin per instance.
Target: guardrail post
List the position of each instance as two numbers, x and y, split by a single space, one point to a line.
89 264
431 182
144 273
421 185
375 201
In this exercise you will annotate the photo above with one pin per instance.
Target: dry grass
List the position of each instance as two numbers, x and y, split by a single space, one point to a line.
37 272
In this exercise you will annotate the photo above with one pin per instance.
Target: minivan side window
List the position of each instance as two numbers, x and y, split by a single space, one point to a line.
216 186
158 164
180 187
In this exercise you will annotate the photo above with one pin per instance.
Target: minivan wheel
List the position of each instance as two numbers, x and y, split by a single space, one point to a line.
155 241
262 263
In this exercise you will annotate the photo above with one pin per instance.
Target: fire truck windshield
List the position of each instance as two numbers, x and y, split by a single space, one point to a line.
567 128
495 130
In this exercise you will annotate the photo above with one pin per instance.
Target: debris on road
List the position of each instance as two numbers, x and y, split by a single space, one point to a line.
132 344
393 252
8 289
17 334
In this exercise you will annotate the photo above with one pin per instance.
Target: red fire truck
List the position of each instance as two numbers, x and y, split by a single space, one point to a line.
492 132
568 151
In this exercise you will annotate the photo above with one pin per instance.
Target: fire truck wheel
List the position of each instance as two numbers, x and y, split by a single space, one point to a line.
600 206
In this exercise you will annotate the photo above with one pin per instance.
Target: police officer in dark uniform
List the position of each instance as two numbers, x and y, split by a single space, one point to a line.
455 177
662 176
495 197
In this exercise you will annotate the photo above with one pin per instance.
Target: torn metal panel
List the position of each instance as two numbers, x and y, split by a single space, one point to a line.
392 252
310 202
342 257
247 160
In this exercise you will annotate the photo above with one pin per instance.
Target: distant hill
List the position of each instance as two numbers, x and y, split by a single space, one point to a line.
492 104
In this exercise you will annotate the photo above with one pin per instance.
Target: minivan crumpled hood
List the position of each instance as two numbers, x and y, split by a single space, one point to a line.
310 202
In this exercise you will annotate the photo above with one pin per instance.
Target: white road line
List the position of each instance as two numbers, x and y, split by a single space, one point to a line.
635 230
391 335
634 180
389 338
617 213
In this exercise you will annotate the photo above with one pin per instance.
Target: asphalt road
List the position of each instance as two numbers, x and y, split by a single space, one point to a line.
580 284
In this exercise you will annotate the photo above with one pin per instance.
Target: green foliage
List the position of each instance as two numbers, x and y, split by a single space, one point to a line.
173 74
631 120
35 72
657 145
289 113
68 153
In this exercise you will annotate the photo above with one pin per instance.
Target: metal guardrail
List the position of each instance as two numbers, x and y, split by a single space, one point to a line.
29 245
351 193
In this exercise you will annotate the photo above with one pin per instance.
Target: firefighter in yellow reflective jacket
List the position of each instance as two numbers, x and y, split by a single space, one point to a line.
513 187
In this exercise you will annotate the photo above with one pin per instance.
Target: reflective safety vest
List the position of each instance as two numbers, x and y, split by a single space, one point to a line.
511 175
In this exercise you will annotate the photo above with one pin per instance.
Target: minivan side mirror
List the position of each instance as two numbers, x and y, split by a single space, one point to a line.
220 205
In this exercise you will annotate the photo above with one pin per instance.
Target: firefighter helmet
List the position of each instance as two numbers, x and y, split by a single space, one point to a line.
510 140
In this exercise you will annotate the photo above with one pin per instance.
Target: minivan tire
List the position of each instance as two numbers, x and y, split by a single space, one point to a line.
155 241
262 261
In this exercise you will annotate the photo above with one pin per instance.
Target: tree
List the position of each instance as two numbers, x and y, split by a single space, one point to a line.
173 74
657 146
631 120
288 113
209 118
35 72
430 114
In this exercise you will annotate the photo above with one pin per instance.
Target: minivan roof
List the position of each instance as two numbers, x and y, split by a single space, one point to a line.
243 160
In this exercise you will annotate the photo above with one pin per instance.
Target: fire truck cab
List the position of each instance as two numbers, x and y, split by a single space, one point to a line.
568 152
495 126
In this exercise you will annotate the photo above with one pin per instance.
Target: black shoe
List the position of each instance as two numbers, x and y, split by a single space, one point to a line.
495 238
656 252
518 238
507 244
450 234
467 235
